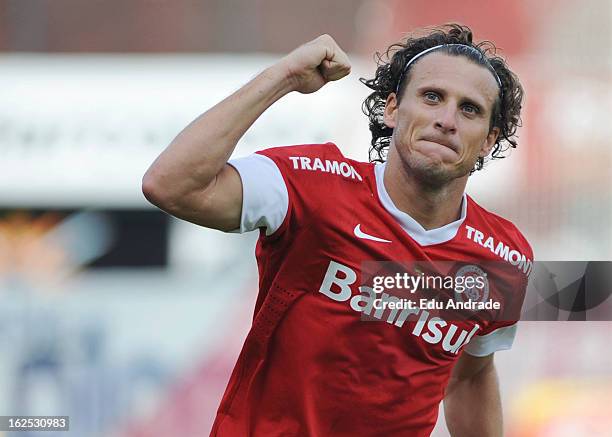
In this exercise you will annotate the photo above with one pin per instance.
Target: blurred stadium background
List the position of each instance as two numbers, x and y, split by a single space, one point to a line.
130 321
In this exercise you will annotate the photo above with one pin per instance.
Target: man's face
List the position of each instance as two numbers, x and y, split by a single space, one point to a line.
441 126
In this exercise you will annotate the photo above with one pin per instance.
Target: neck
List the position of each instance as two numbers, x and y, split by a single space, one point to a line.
432 207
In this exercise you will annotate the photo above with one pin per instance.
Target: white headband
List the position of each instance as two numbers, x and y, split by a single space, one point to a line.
431 49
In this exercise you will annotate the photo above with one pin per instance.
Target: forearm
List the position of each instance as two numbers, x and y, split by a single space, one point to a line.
472 406
191 179
199 152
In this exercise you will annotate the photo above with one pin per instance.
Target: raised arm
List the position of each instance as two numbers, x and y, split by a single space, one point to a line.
472 404
191 178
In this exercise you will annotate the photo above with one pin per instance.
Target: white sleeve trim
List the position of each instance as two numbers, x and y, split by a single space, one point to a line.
500 339
265 199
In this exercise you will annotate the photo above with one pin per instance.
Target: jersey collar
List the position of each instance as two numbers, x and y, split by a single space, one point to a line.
418 233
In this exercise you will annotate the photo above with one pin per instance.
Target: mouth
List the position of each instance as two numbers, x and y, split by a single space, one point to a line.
442 143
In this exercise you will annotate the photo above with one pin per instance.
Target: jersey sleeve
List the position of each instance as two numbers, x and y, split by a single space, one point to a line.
500 335
497 340
265 199
282 185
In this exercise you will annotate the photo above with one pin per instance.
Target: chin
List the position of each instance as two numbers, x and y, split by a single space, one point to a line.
432 171
429 171
433 176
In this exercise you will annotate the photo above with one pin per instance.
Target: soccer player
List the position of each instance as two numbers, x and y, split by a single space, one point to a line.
310 365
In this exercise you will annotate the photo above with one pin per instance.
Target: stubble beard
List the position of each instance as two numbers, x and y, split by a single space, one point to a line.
430 173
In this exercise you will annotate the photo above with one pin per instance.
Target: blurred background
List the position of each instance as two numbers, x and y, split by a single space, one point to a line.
130 321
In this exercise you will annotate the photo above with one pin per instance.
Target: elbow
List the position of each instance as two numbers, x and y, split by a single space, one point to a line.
163 193
153 190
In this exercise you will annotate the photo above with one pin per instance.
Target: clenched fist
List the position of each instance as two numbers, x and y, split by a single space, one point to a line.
315 63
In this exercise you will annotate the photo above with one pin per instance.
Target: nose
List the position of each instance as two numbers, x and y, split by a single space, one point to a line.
446 119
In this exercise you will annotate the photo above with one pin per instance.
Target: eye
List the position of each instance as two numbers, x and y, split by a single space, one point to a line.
470 109
432 97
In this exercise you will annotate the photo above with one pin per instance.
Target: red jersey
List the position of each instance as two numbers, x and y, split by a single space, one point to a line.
310 365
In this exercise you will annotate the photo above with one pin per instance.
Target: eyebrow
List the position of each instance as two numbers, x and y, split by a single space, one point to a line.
463 100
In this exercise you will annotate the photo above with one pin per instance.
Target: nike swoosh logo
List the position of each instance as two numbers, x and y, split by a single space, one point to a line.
360 234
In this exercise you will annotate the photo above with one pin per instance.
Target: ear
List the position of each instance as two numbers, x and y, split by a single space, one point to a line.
489 142
390 114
